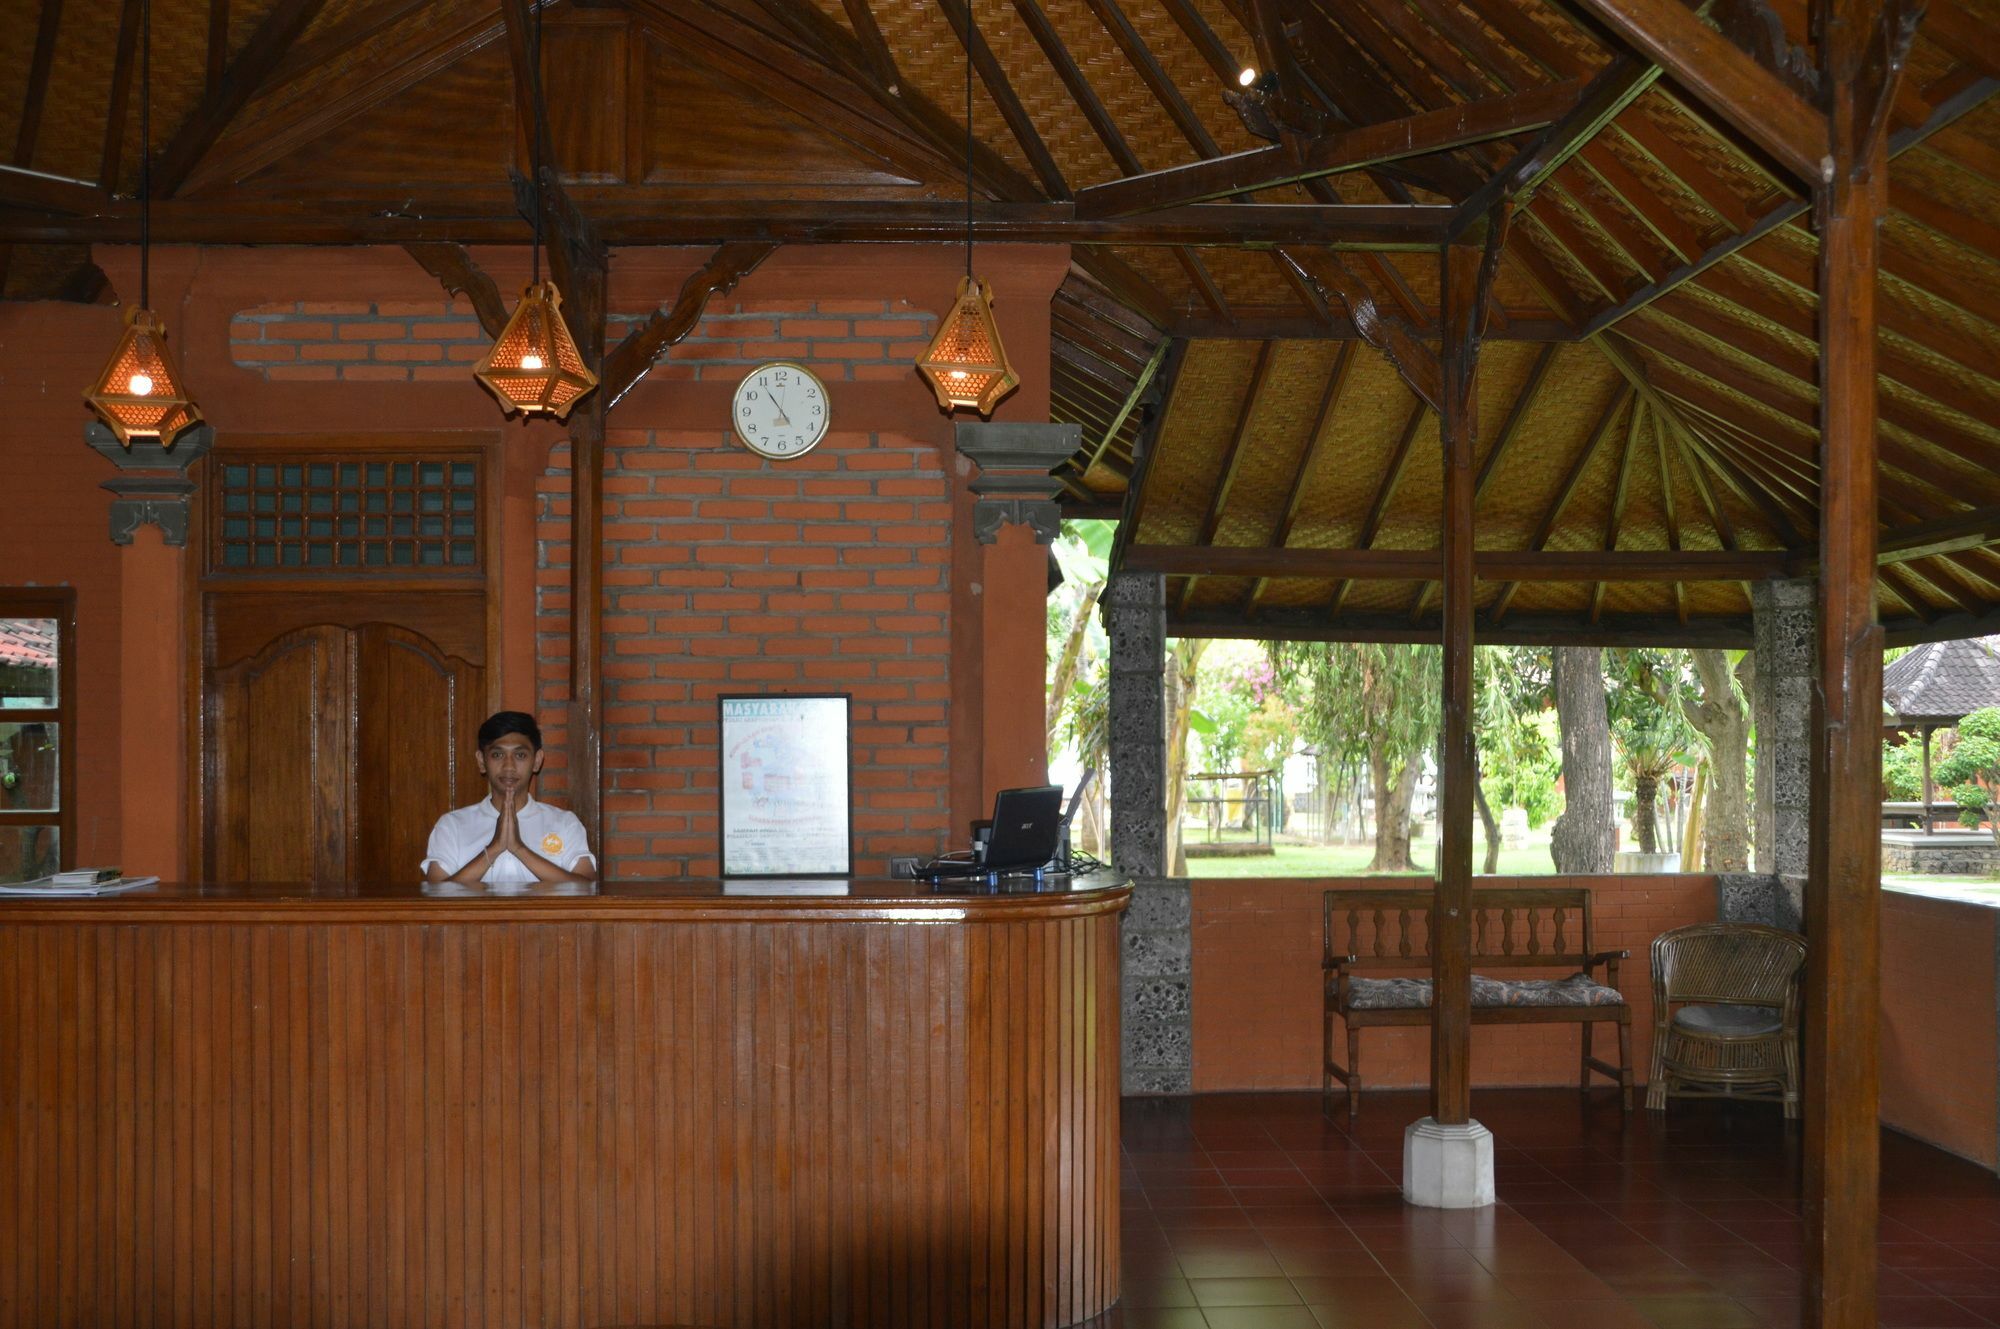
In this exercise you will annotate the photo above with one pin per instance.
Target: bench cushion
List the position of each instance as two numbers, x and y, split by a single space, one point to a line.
1406 994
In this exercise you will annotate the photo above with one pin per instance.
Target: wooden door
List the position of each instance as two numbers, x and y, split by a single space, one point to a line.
280 760
417 712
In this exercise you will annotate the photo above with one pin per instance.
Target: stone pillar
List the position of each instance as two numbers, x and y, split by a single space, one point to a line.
1134 606
1014 520
1781 704
1157 940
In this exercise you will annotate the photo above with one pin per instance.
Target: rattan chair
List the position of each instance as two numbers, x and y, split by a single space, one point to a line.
1726 1014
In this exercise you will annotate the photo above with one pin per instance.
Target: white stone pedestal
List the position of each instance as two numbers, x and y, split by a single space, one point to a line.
1447 1167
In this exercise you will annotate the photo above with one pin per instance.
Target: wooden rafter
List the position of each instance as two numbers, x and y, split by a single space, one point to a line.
1232 458
459 275
1564 491
112 157
1385 492
1510 429
1614 516
998 87
36 96
642 348
1385 331
1057 52
225 97
1290 163
1500 565
1669 507
1140 386
1309 458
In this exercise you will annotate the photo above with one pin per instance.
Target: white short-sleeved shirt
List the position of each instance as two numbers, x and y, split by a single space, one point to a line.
460 835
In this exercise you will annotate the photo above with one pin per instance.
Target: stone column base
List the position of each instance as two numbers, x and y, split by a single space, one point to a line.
1447 1167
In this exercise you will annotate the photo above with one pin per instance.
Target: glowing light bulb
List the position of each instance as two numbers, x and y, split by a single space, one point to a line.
141 385
1247 76
958 373
531 361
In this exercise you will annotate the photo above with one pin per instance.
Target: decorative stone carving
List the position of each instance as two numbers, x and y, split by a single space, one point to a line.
1134 608
1014 486
1781 702
152 487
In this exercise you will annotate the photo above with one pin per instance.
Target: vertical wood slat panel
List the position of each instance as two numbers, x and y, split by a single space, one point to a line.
556 1123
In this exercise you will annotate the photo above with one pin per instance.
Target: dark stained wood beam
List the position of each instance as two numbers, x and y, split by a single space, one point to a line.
1614 516
1145 449
641 349
1232 458
1510 429
1348 150
1524 629
1309 460
1252 324
1415 361
1385 492
112 158
994 76
1567 489
1140 386
459 275
1597 103
1158 82
874 49
1669 508
218 40
36 95
222 99
1493 565
1763 106
1056 51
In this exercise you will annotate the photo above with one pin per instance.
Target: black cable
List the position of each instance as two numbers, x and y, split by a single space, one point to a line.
145 153
535 90
968 137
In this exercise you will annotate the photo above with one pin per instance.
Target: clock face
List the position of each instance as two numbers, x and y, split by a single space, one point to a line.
780 410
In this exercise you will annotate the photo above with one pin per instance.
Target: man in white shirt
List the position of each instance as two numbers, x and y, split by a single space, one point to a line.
507 838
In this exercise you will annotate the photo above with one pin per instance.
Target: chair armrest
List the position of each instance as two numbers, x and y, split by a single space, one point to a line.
1336 963
1609 959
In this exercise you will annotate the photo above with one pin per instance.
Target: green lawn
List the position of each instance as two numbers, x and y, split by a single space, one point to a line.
1352 860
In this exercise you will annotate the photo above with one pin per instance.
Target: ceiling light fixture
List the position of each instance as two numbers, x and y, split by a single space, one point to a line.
1247 77
965 364
140 394
534 366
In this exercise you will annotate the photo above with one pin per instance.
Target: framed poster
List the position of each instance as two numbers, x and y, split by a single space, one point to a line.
787 798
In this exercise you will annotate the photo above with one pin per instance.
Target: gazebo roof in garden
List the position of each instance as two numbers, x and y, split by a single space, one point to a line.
1649 397
1941 682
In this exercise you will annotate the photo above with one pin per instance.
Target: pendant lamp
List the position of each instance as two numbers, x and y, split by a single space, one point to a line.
140 393
534 366
965 363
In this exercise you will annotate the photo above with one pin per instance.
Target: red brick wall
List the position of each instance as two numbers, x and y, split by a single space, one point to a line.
729 573
1940 1043
1257 987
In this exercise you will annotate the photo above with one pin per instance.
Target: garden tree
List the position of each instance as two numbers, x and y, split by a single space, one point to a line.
1582 838
1079 681
1651 728
1903 768
1379 703
1721 715
1183 677
1510 690
1972 768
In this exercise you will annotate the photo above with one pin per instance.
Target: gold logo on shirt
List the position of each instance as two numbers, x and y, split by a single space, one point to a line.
552 843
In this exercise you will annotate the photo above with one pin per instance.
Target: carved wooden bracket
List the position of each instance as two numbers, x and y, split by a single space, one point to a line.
1386 332
452 265
631 358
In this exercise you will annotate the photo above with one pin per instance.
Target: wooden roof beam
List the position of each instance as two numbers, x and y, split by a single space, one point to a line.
1619 401
1524 401
1371 525
1386 332
1493 565
1525 629
641 349
1232 459
1056 51
35 99
1140 386
1772 112
1614 516
274 35
1316 442
991 73
1329 154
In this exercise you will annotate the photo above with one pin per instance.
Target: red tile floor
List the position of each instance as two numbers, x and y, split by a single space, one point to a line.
1262 1211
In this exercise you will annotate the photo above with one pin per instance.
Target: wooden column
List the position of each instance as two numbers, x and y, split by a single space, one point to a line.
1842 906
584 311
1451 909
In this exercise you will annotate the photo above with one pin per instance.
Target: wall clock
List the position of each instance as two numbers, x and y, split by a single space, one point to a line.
780 410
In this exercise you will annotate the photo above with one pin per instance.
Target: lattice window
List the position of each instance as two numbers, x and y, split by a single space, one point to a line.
414 514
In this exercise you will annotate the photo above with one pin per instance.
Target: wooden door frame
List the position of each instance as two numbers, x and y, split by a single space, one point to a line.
200 584
58 603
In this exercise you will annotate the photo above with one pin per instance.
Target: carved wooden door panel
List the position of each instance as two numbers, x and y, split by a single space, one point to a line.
280 758
417 712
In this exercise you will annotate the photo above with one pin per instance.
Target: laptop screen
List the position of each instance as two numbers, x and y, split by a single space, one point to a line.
1027 826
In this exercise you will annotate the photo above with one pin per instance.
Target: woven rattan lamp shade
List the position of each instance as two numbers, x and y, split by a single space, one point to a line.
534 366
141 394
965 364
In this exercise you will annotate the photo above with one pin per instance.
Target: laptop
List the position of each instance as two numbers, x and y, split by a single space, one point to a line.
1026 830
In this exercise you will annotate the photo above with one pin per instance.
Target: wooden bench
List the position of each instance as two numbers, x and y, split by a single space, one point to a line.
1526 928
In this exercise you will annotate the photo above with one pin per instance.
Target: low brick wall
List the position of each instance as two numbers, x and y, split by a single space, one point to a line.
1940 1025
1945 853
1256 955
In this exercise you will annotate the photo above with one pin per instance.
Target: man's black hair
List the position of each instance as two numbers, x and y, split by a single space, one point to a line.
502 723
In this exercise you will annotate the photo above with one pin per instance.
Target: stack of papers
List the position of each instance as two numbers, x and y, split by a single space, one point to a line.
78 881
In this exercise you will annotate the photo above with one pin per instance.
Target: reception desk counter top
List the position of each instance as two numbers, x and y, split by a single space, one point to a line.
675 1103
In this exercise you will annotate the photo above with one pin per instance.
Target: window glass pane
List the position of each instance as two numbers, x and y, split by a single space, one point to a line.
27 852
27 662
29 769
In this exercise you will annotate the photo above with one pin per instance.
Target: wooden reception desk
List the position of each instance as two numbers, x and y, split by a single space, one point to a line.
655 1105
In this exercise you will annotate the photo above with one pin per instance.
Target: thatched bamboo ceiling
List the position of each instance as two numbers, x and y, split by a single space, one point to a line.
1650 374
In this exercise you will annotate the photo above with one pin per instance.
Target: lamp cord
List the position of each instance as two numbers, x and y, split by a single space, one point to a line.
535 84
968 137
145 153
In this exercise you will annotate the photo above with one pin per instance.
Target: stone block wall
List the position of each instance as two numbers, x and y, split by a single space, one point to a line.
1158 996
